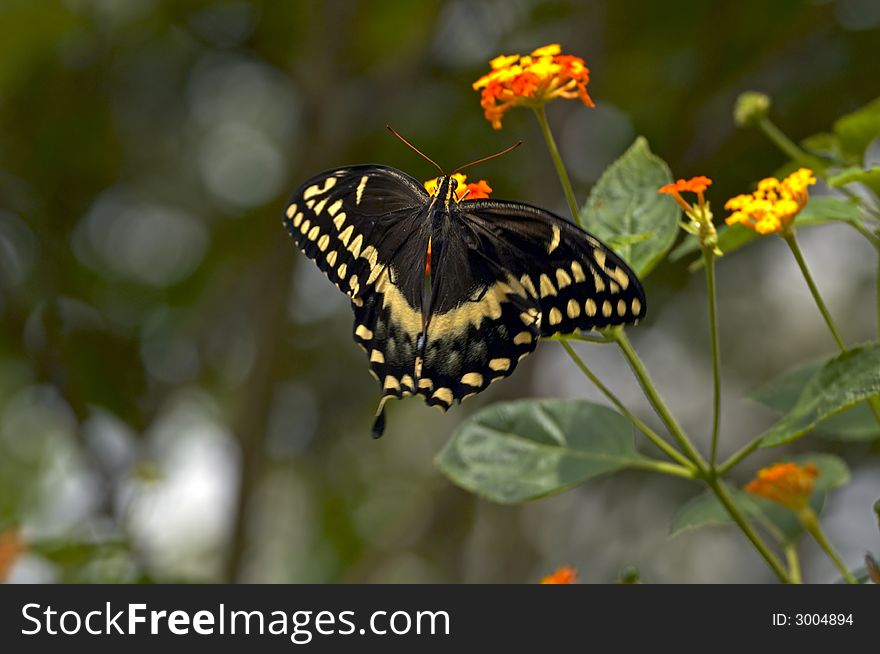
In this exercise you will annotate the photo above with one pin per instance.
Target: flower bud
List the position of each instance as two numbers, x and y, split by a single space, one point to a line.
750 107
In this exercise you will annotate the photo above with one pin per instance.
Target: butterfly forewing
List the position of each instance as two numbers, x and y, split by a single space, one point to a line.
353 221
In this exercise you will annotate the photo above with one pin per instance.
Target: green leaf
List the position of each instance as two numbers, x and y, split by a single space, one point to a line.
857 175
855 131
841 383
782 393
818 211
823 144
617 243
705 510
625 203
518 451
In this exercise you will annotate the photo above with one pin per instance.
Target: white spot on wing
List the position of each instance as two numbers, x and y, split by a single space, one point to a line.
318 190
360 189
554 241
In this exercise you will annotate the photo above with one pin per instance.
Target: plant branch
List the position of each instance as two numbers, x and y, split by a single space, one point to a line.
724 497
541 115
653 436
792 243
794 564
709 258
654 398
810 521
739 455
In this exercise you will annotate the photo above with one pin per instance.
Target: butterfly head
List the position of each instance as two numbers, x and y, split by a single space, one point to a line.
445 191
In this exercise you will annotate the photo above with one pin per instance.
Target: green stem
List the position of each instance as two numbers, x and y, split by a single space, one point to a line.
873 402
790 239
654 398
794 564
873 239
684 442
664 468
724 497
541 115
583 338
784 143
653 436
709 258
697 464
739 455
810 521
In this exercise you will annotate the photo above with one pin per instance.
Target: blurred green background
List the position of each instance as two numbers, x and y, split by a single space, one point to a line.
180 398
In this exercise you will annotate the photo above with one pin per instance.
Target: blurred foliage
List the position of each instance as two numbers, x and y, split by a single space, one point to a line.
179 395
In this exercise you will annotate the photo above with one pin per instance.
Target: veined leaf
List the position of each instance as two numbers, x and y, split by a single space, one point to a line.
518 451
782 393
625 203
855 131
841 383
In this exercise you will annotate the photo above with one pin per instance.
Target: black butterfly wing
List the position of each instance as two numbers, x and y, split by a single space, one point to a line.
514 273
351 221
579 281
366 228
482 322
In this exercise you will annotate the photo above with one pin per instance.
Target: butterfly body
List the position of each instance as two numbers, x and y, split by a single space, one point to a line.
448 296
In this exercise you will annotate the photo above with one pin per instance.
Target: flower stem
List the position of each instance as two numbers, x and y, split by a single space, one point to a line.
709 258
654 398
810 521
820 303
684 442
664 468
784 143
541 115
794 564
739 455
724 497
653 436
697 465
873 402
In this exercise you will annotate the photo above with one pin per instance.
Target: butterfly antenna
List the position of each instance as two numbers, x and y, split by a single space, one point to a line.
393 131
491 156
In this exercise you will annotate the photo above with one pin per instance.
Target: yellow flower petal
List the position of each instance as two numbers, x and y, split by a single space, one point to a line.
548 50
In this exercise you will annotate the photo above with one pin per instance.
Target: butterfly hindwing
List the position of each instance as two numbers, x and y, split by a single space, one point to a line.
482 322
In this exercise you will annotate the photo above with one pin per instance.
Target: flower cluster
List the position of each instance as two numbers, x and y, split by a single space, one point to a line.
773 207
788 484
464 191
531 81
563 575
700 216
694 185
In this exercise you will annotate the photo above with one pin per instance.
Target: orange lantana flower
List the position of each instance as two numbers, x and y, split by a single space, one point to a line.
700 216
562 575
696 185
774 206
11 547
464 191
531 81
788 484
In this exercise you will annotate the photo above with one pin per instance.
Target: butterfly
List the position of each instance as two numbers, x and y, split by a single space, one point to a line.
449 295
